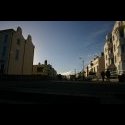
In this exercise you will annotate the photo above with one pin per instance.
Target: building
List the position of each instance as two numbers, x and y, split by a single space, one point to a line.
44 70
108 52
96 66
114 48
16 52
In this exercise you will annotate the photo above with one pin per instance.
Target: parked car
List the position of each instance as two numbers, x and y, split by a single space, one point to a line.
121 76
91 76
114 75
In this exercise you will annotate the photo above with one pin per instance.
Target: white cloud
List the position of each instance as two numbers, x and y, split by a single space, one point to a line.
93 35
98 33
68 73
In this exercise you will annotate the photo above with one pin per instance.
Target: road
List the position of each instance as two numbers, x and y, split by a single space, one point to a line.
61 92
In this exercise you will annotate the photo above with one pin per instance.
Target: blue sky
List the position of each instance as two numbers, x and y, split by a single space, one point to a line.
63 42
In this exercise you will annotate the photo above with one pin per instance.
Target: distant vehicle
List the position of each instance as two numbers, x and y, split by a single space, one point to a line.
121 72
91 76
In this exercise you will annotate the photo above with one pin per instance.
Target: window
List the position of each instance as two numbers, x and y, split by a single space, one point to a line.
5 38
111 50
110 40
121 32
109 61
4 51
114 47
122 47
2 68
120 23
17 55
18 41
112 61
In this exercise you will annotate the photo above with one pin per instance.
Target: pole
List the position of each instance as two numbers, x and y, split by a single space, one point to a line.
83 70
75 72
83 65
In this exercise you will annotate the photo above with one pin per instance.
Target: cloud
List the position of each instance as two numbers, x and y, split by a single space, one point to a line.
93 37
98 32
68 73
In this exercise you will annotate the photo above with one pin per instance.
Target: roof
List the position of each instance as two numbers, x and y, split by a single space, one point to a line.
7 30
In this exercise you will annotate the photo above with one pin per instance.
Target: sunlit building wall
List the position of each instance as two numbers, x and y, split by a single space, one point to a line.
114 48
97 65
44 70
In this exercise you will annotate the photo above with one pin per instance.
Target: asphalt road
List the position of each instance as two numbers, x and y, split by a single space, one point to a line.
61 92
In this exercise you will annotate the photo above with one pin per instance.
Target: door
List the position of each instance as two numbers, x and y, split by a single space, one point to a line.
2 69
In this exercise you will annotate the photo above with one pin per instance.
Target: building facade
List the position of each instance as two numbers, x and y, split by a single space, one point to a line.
108 50
114 48
96 66
44 70
16 53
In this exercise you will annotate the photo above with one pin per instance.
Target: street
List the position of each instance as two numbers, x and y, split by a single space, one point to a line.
64 92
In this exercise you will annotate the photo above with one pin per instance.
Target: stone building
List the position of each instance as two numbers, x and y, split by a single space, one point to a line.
16 52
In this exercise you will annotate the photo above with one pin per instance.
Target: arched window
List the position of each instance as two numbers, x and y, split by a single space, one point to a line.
18 41
114 47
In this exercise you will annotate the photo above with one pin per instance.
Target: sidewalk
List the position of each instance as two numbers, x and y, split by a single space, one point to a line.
111 80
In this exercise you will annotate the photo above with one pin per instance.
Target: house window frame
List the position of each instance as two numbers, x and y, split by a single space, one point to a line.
6 38
18 41
4 51
17 54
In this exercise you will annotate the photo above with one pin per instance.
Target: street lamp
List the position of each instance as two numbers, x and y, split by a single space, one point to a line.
82 62
83 66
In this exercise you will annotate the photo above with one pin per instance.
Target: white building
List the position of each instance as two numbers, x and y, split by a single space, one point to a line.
96 66
114 48
44 70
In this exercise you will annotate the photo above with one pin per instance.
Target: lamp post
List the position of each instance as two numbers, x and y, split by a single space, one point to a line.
82 66
82 63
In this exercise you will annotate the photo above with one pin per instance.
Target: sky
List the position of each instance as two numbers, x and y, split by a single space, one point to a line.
62 43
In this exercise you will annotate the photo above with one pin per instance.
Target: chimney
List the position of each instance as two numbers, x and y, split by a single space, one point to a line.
45 62
102 54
